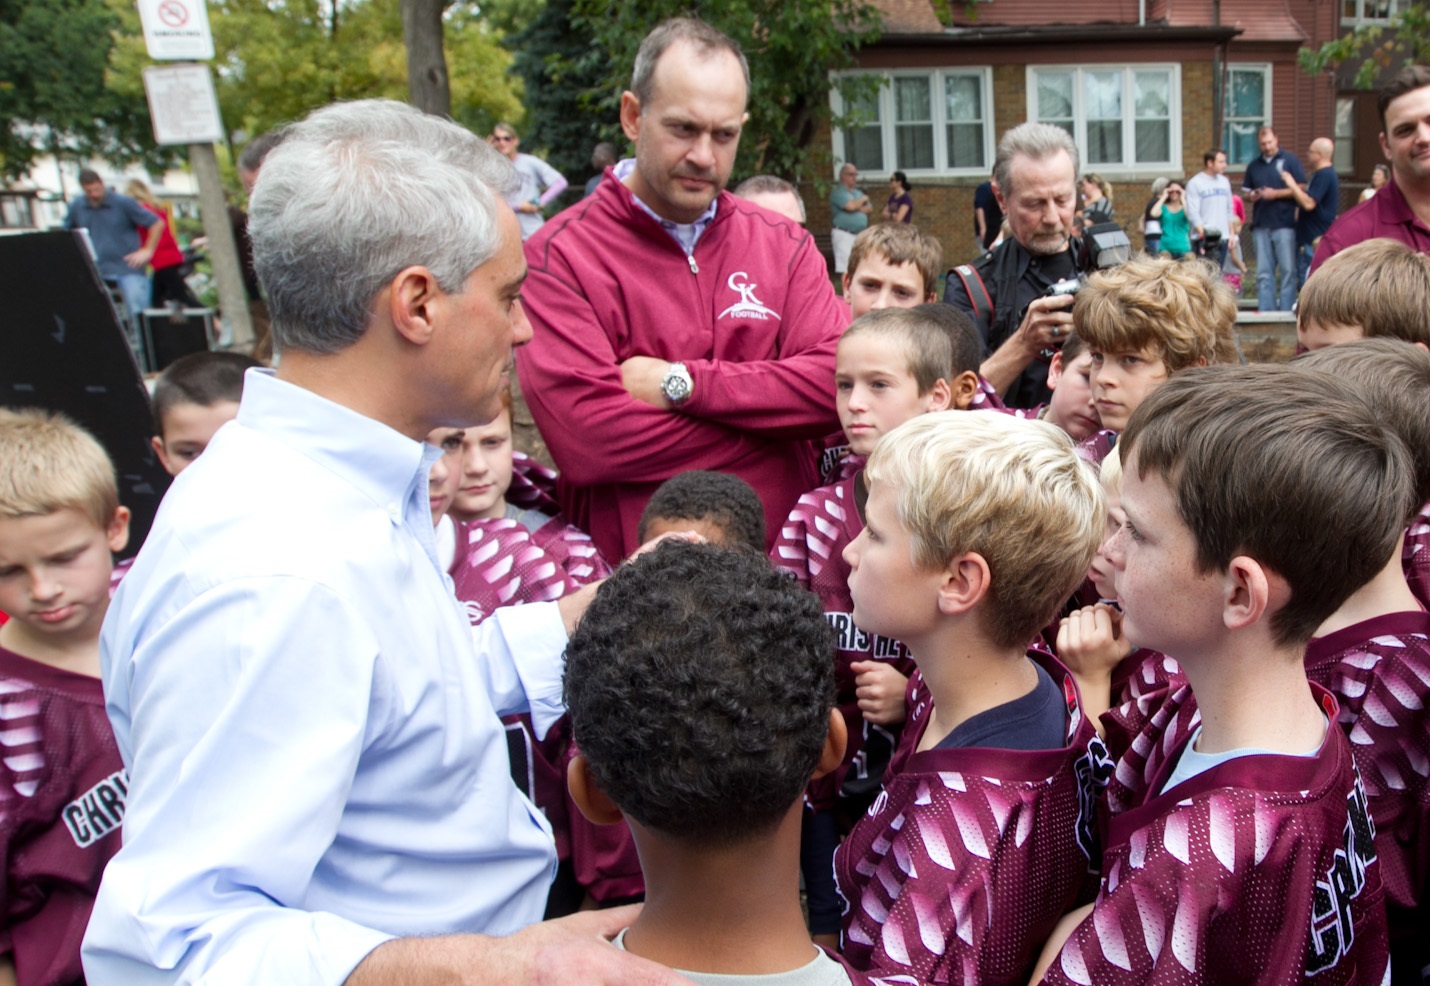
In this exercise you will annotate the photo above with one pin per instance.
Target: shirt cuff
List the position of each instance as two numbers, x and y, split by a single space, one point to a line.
537 637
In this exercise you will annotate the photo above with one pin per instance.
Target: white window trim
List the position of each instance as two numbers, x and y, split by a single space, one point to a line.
1266 121
1361 20
1126 168
887 123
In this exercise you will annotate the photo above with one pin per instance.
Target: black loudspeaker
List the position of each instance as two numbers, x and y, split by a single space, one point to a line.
169 333
63 349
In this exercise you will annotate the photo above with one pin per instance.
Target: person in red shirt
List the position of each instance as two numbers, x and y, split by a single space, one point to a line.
168 259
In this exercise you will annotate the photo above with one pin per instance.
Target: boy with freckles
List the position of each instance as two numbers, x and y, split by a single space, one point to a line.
1240 846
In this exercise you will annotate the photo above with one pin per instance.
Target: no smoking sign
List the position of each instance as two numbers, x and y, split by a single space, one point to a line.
173 13
177 30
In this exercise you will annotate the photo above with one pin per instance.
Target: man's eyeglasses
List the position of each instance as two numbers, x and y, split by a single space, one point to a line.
503 138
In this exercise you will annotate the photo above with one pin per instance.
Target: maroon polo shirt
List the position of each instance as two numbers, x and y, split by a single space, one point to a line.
1385 215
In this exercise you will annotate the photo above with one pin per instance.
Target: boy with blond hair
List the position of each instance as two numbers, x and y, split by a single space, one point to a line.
891 365
978 527
1240 845
1145 320
1375 288
1374 653
62 782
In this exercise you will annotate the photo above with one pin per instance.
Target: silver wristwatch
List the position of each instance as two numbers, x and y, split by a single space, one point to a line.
677 385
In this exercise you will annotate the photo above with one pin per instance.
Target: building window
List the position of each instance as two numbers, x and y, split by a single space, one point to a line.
926 122
1354 13
1246 110
1121 118
1345 156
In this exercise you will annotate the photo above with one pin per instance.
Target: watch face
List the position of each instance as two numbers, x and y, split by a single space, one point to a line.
677 384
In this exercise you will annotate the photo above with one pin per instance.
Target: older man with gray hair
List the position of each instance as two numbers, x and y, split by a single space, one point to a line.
1005 291
318 786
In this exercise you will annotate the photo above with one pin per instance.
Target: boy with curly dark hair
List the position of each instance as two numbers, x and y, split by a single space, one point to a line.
700 686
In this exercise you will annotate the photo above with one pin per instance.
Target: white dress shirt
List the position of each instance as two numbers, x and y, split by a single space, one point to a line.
313 741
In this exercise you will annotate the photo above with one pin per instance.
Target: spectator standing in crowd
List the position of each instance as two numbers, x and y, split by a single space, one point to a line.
168 260
1273 221
1035 181
1379 175
1152 228
1170 210
114 222
1318 202
1401 210
250 163
602 157
319 782
775 194
537 182
678 326
987 216
850 207
1096 202
900 207
1209 202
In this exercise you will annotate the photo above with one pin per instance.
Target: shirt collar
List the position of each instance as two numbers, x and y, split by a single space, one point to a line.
686 234
385 465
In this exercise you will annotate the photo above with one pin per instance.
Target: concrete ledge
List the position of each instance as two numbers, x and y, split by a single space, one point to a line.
1266 337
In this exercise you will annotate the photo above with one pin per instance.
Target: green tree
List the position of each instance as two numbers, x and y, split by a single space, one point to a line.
1405 40
57 91
278 61
565 77
792 46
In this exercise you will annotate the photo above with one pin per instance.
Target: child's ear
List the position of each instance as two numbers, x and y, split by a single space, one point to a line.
965 389
1055 370
939 396
835 743
844 289
162 453
965 584
1253 593
118 530
593 802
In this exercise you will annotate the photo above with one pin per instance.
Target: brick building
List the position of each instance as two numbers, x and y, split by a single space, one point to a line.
1145 86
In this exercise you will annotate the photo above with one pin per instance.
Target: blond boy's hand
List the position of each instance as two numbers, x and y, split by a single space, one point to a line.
880 688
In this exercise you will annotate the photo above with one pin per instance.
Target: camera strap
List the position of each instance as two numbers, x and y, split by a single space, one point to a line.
977 292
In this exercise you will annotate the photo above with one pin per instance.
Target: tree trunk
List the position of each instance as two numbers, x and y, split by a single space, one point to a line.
427 85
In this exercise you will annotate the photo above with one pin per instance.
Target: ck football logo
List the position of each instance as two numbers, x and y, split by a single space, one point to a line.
748 306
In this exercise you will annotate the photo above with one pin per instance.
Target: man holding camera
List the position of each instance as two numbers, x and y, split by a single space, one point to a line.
1008 292
1209 205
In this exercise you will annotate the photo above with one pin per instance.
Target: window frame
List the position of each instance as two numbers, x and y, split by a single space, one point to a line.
1129 166
1264 69
1359 18
889 124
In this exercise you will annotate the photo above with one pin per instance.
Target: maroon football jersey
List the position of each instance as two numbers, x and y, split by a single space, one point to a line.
1415 556
811 547
62 796
965 862
1141 735
1379 671
500 563
1096 447
1261 870
1144 671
